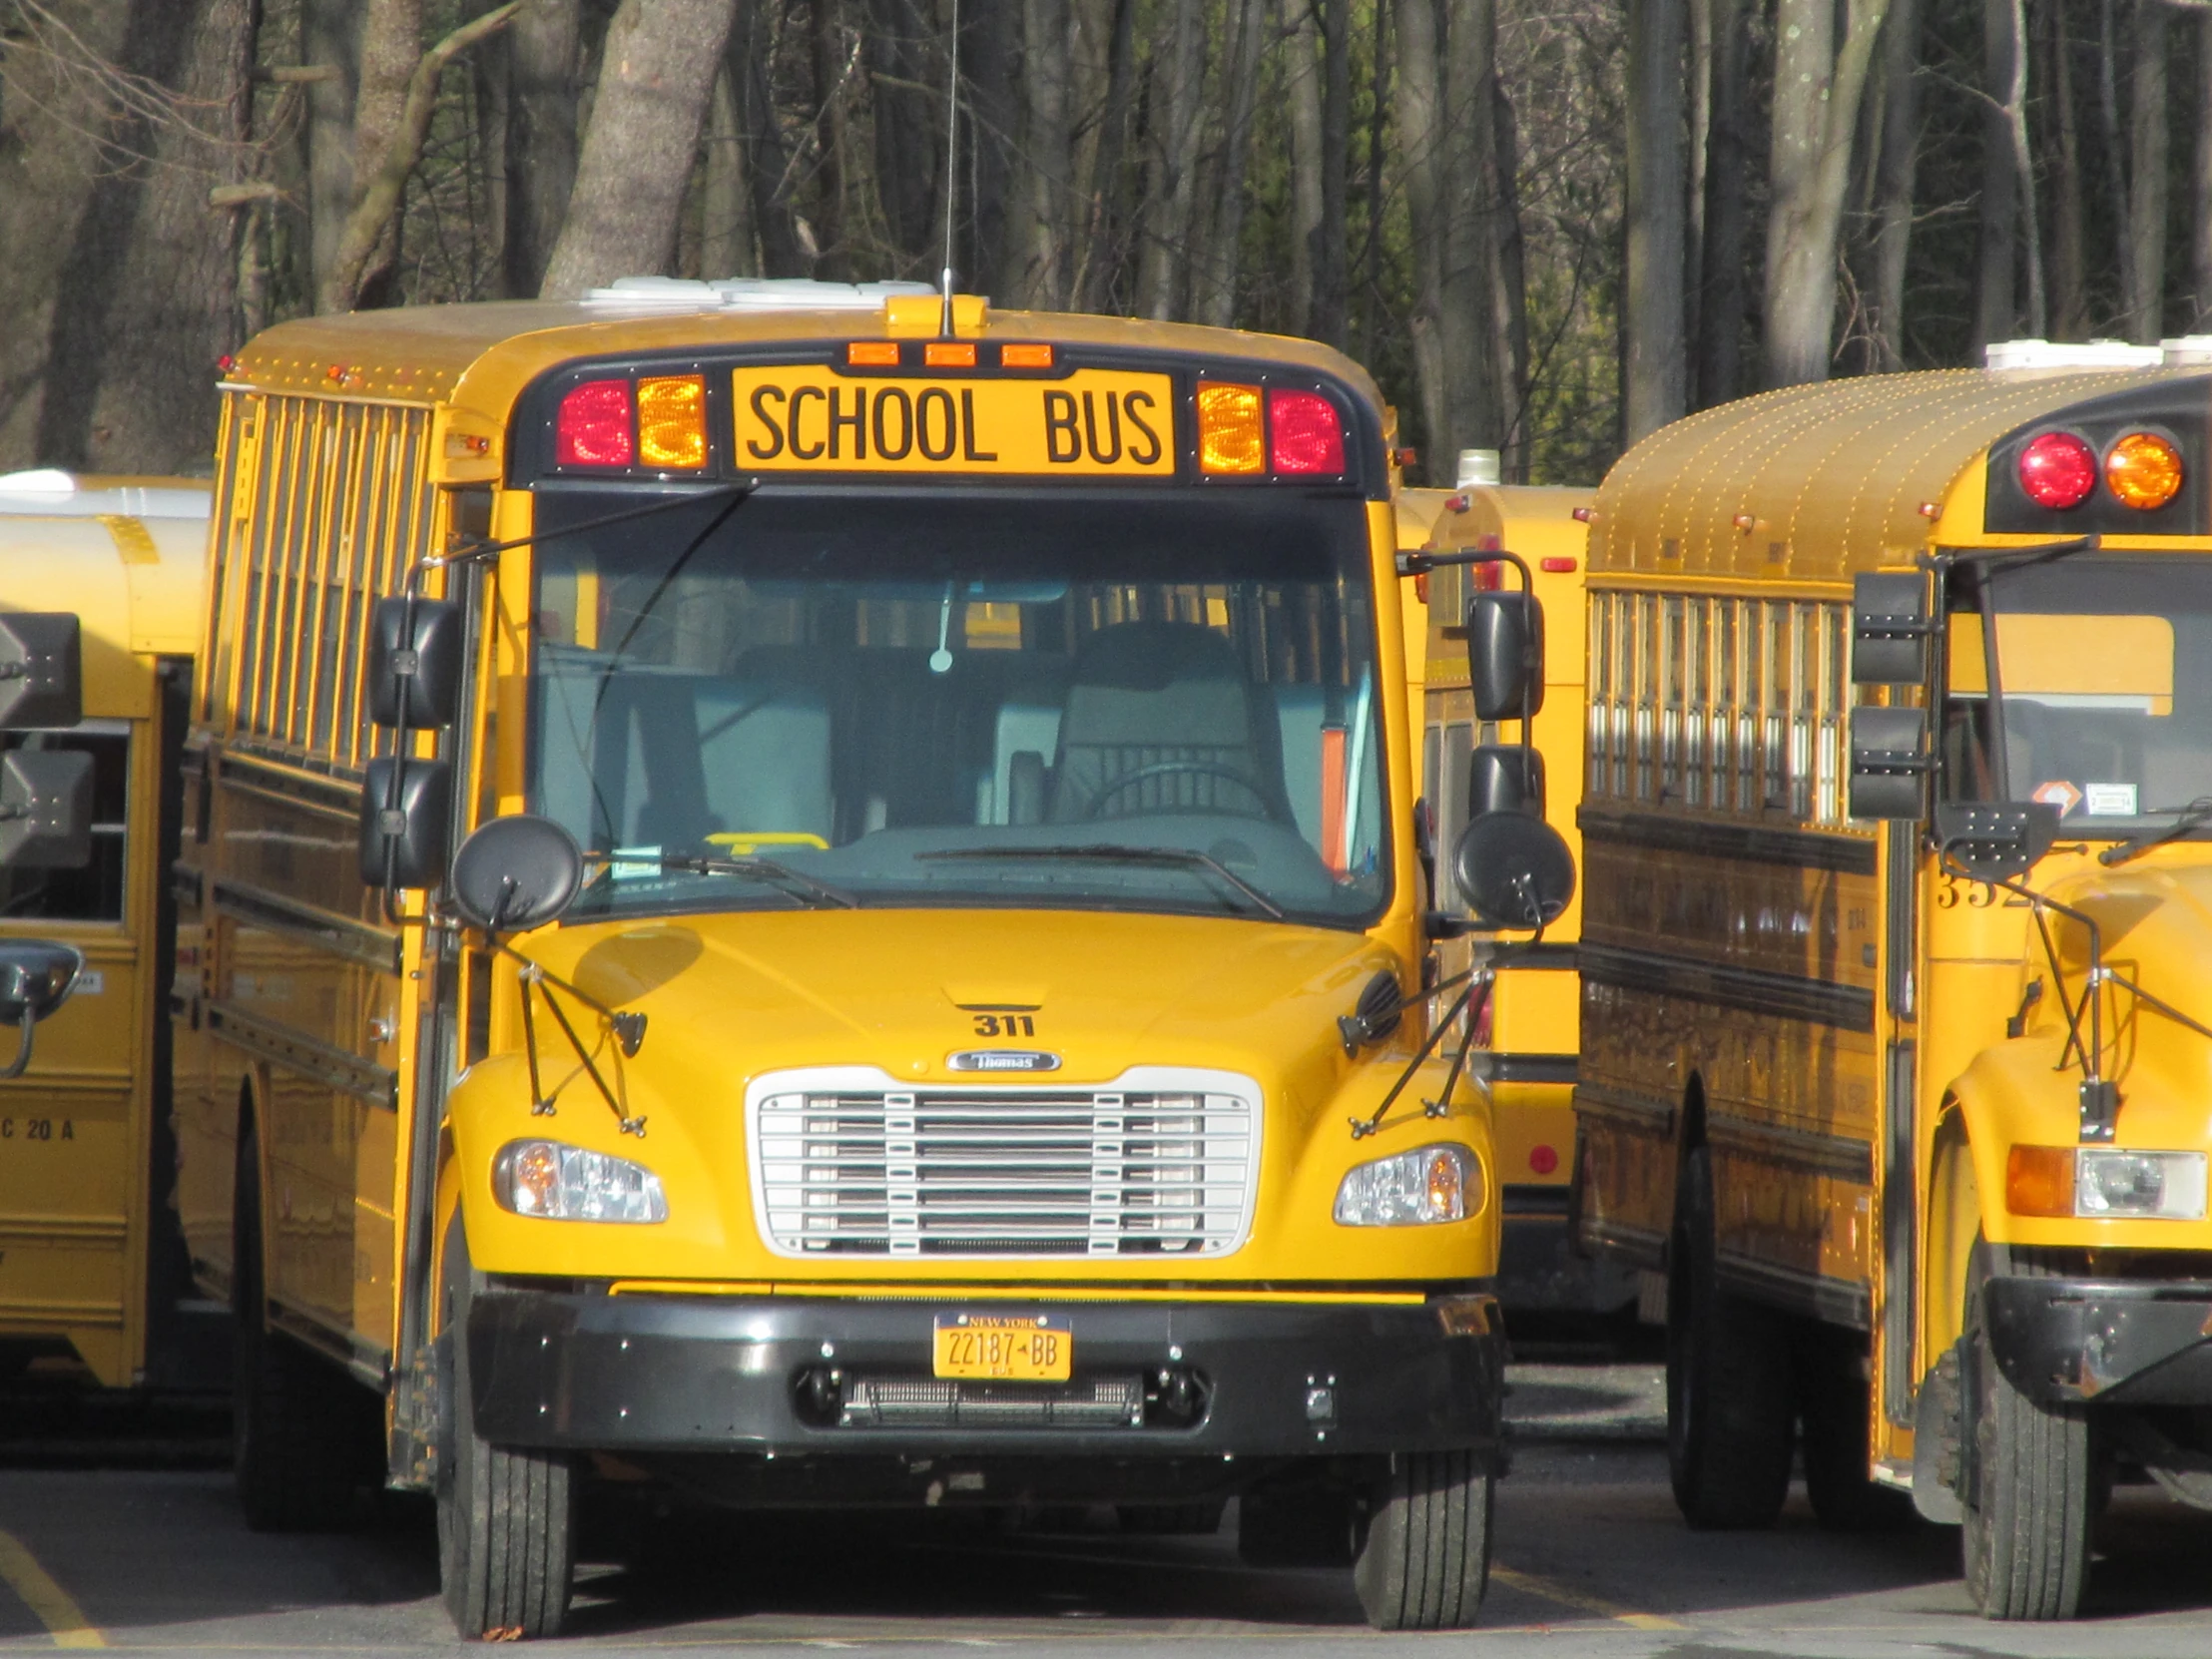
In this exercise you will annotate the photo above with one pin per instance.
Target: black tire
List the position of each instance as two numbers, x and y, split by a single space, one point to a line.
506 1517
1728 1416
2034 1486
1424 1563
302 1432
1198 1519
1834 1405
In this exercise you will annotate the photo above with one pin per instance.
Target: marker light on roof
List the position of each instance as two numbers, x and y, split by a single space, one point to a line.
2058 470
1230 435
593 427
672 421
2143 470
1304 433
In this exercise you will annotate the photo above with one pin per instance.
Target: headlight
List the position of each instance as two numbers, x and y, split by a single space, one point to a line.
1412 1189
565 1183
2105 1182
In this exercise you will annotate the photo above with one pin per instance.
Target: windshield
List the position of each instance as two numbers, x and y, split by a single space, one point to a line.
2104 688
1077 700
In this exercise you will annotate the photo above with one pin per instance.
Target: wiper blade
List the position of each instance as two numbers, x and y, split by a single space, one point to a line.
796 885
1179 857
2193 816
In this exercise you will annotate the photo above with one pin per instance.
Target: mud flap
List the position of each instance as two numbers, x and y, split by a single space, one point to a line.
1940 1435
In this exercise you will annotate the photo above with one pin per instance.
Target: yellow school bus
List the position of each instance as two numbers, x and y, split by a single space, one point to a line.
1892 1053
91 1267
803 893
1527 1029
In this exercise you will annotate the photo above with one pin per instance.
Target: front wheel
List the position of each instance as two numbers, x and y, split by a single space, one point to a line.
2031 1492
1426 1561
506 1517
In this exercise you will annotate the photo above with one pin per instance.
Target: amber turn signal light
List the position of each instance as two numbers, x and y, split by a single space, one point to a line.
2039 1181
2143 470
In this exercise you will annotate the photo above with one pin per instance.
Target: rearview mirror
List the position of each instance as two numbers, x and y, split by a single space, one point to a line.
404 835
1505 654
515 873
1888 628
1505 778
1995 840
41 669
419 676
36 977
1888 762
45 809
1515 870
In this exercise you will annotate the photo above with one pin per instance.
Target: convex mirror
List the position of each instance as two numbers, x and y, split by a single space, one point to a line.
36 977
1515 870
515 873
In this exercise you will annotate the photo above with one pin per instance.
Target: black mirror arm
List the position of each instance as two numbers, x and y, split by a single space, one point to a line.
15 1067
474 549
628 1029
1362 1128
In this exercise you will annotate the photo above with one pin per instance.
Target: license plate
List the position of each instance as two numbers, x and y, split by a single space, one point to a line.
1090 423
1031 1350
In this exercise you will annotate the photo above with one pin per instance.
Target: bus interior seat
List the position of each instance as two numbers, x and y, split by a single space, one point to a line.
1164 694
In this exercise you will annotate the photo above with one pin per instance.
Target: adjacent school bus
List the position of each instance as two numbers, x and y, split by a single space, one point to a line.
935 788
1527 1029
1895 943
91 1265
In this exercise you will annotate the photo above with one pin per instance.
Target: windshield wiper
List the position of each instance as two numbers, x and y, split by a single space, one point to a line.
1181 857
801 888
2194 816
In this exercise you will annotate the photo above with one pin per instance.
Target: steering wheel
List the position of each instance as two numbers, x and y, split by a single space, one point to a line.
1168 769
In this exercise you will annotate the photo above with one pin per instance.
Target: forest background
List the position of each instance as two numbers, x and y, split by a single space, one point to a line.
1548 226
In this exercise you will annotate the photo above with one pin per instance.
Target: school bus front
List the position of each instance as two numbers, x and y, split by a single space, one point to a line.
989 769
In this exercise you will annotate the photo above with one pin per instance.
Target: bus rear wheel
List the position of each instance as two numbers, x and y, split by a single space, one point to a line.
1832 1415
506 1517
1729 1415
1424 1563
2031 1496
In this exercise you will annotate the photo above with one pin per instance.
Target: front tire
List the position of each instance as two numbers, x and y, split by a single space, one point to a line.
1728 1416
1426 1561
2031 1498
506 1517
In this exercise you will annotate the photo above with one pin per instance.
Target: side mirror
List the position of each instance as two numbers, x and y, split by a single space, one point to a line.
36 976
1505 654
45 809
404 841
41 669
1515 870
421 670
1888 762
1889 627
1992 841
516 873
1505 778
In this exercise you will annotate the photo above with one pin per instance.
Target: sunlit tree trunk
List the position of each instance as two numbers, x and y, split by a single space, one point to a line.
1162 264
330 40
2200 262
2069 308
544 68
1301 76
2147 181
1332 312
1995 302
1656 366
2109 128
725 196
1719 308
1218 307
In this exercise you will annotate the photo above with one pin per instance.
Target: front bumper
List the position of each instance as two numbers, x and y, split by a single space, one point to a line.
2114 1341
779 1375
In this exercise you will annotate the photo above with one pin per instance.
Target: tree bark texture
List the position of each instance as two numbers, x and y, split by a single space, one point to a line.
392 47
1509 285
655 78
1218 308
1996 305
826 40
330 38
544 53
1820 84
769 162
1331 318
2200 195
1171 166
2069 289
725 191
1302 77
1657 368
2147 176
1895 168
2114 146
1719 308
905 61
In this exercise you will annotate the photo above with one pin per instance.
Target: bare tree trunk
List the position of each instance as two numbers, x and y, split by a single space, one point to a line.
2146 198
1657 370
1371 273
2200 264
544 52
1818 89
825 40
1103 246
906 120
1049 141
1701 136
750 63
2108 122
1162 265
1220 303
1302 77
1510 285
1332 315
656 75
726 205
1720 329
1997 305
2023 170
2069 311
1894 167
989 56
330 38
392 47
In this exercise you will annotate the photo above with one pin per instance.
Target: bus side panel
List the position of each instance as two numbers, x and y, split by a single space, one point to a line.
206 1112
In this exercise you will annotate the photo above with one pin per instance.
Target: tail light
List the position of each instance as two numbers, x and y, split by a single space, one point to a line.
2058 470
1250 432
1229 436
2143 470
594 426
1304 435
672 421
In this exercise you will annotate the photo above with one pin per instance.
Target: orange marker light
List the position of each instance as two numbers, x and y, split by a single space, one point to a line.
672 421
1557 566
2039 1181
949 353
1231 435
1026 357
2143 470
872 353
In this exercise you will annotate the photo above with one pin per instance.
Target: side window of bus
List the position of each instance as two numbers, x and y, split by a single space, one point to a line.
95 892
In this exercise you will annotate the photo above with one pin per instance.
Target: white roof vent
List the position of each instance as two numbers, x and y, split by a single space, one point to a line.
2190 350
1478 467
2096 354
748 294
50 492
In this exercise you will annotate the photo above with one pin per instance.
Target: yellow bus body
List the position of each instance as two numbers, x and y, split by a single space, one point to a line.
83 1202
310 1090
1844 1033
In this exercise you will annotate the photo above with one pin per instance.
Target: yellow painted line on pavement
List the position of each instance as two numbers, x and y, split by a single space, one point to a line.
1567 1596
35 1586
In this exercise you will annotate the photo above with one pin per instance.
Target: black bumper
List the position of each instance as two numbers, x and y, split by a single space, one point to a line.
779 1375
2117 1341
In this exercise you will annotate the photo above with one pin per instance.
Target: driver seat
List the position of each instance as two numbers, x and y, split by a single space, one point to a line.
1165 695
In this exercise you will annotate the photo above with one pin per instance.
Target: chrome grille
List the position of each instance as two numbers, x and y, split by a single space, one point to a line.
1158 1172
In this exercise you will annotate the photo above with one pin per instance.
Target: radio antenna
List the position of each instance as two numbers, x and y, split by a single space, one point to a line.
951 162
